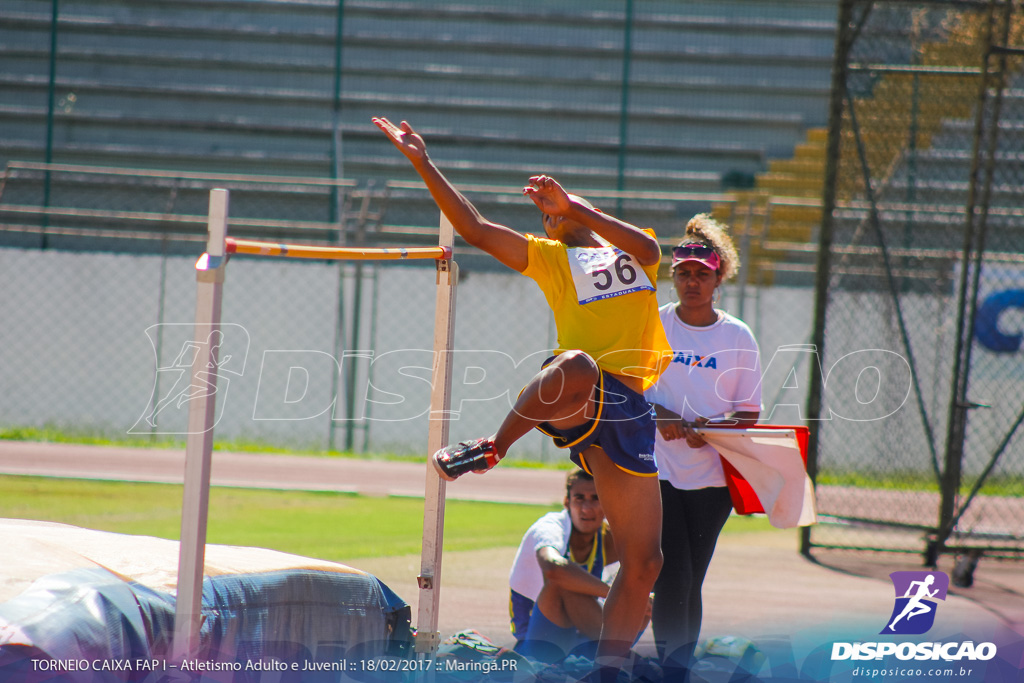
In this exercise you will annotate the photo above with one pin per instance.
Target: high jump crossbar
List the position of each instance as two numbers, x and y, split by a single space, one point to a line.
210 271
235 246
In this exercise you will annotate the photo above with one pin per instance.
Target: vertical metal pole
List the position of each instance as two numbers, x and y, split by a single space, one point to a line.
162 293
968 289
352 368
374 299
429 579
339 350
911 196
51 97
199 442
744 274
815 397
335 212
336 162
627 56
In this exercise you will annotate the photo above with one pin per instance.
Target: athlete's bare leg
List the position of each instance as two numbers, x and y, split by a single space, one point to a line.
632 505
565 608
561 394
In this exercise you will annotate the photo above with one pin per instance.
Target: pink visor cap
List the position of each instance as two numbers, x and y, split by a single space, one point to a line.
701 253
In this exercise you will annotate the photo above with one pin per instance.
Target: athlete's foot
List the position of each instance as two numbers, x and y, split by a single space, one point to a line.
469 456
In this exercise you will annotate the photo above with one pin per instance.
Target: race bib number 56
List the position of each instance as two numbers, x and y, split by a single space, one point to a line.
605 273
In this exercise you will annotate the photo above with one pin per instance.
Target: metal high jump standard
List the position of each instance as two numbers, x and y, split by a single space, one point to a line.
210 271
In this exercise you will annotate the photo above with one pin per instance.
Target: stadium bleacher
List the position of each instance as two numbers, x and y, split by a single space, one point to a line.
716 90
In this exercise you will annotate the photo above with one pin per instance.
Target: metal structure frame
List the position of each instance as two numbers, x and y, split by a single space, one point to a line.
210 275
992 76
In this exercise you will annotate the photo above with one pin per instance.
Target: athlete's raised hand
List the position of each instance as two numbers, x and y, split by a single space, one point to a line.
404 138
548 195
507 245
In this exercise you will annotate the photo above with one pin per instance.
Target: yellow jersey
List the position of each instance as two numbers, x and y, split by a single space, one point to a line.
604 303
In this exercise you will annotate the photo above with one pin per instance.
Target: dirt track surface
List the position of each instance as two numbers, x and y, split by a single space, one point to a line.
305 473
759 585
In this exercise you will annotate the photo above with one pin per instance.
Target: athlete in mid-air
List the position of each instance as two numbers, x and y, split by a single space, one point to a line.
598 274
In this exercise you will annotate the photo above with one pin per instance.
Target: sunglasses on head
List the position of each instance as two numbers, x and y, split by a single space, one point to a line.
701 251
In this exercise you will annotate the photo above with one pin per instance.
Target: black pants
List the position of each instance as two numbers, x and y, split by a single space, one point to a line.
691 523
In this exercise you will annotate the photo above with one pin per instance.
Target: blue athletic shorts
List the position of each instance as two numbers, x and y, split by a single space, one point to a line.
623 428
546 641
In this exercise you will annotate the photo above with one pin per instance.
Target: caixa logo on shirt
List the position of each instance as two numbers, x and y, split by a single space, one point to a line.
693 360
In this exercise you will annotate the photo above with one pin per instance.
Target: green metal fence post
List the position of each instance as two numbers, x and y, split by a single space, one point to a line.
973 252
336 159
627 58
815 397
51 97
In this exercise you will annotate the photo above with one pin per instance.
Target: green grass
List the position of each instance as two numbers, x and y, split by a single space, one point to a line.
330 526
994 485
88 437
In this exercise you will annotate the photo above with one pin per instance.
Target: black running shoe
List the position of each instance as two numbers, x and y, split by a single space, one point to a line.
469 456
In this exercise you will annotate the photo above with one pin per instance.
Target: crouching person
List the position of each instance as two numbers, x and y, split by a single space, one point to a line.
557 579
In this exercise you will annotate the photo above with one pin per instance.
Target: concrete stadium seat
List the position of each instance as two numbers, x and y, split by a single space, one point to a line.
717 89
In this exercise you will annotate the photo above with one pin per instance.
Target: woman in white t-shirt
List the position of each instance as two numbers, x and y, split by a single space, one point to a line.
715 374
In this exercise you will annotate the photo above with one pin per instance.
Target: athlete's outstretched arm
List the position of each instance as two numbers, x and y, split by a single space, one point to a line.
503 243
552 199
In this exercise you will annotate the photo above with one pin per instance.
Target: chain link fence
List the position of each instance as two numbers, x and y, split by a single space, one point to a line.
324 356
918 404
118 119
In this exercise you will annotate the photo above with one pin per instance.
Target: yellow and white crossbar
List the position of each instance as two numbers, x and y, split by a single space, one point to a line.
237 246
